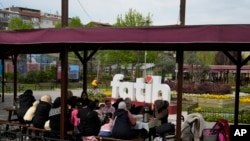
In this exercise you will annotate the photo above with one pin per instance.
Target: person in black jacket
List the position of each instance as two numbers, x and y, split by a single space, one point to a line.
42 112
84 99
123 123
90 123
26 100
54 117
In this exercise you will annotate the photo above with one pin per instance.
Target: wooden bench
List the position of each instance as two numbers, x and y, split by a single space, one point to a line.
100 138
43 85
43 132
20 126
38 132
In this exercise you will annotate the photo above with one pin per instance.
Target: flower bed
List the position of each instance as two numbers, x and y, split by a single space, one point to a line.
205 100
220 103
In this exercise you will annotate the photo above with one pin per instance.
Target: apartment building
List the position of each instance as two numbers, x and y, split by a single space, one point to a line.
5 16
36 17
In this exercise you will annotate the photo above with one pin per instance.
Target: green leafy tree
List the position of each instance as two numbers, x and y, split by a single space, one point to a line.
207 57
75 22
17 23
58 25
133 18
125 58
191 58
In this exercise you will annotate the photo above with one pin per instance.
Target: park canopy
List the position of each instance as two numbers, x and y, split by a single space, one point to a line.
194 37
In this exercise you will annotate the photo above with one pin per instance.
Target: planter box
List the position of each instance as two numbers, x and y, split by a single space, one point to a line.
172 109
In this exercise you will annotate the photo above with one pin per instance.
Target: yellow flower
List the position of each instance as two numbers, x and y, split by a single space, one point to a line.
107 93
245 100
198 109
211 96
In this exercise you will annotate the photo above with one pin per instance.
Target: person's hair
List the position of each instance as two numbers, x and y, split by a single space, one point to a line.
107 100
56 103
106 118
30 92
84 92
70 94
92 105
102 105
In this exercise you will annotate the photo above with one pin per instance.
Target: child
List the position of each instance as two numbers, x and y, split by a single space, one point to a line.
106 128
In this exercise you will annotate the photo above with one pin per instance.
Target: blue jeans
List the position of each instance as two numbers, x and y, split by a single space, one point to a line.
105 133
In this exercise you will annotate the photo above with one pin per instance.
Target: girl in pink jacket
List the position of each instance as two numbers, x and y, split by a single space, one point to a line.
106 128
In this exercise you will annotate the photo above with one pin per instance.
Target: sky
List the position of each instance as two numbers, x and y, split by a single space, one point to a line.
163 12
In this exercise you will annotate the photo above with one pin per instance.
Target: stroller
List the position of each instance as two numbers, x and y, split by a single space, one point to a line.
192 127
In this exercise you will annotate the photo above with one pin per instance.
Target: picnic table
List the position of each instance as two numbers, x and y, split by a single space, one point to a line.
10 110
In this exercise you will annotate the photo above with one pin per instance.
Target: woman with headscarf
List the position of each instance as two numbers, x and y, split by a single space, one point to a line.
42 112
123 123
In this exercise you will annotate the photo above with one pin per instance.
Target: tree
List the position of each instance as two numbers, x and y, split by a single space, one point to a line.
191 58
222 59
75 22
17 23
125 58
207 57
133 18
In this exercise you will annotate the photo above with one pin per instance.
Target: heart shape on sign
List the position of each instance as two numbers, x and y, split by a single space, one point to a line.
148 78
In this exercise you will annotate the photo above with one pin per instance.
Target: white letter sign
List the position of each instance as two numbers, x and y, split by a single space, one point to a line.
140 91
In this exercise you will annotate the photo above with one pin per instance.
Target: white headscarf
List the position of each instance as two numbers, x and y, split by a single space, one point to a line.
122 105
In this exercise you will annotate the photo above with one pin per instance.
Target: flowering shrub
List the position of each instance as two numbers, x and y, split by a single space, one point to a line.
197 109
211 96
245 100
96 94
199 88
108 93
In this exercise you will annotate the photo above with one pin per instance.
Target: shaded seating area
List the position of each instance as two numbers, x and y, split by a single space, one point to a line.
163 38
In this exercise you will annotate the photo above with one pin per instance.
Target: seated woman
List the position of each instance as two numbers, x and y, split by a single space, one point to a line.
135 110
54 118
26 100
123 123
42 112
160 111
90 123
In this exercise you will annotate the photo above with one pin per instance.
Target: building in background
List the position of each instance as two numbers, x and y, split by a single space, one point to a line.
34 16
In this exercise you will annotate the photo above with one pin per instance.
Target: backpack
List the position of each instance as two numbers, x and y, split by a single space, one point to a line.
221 129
